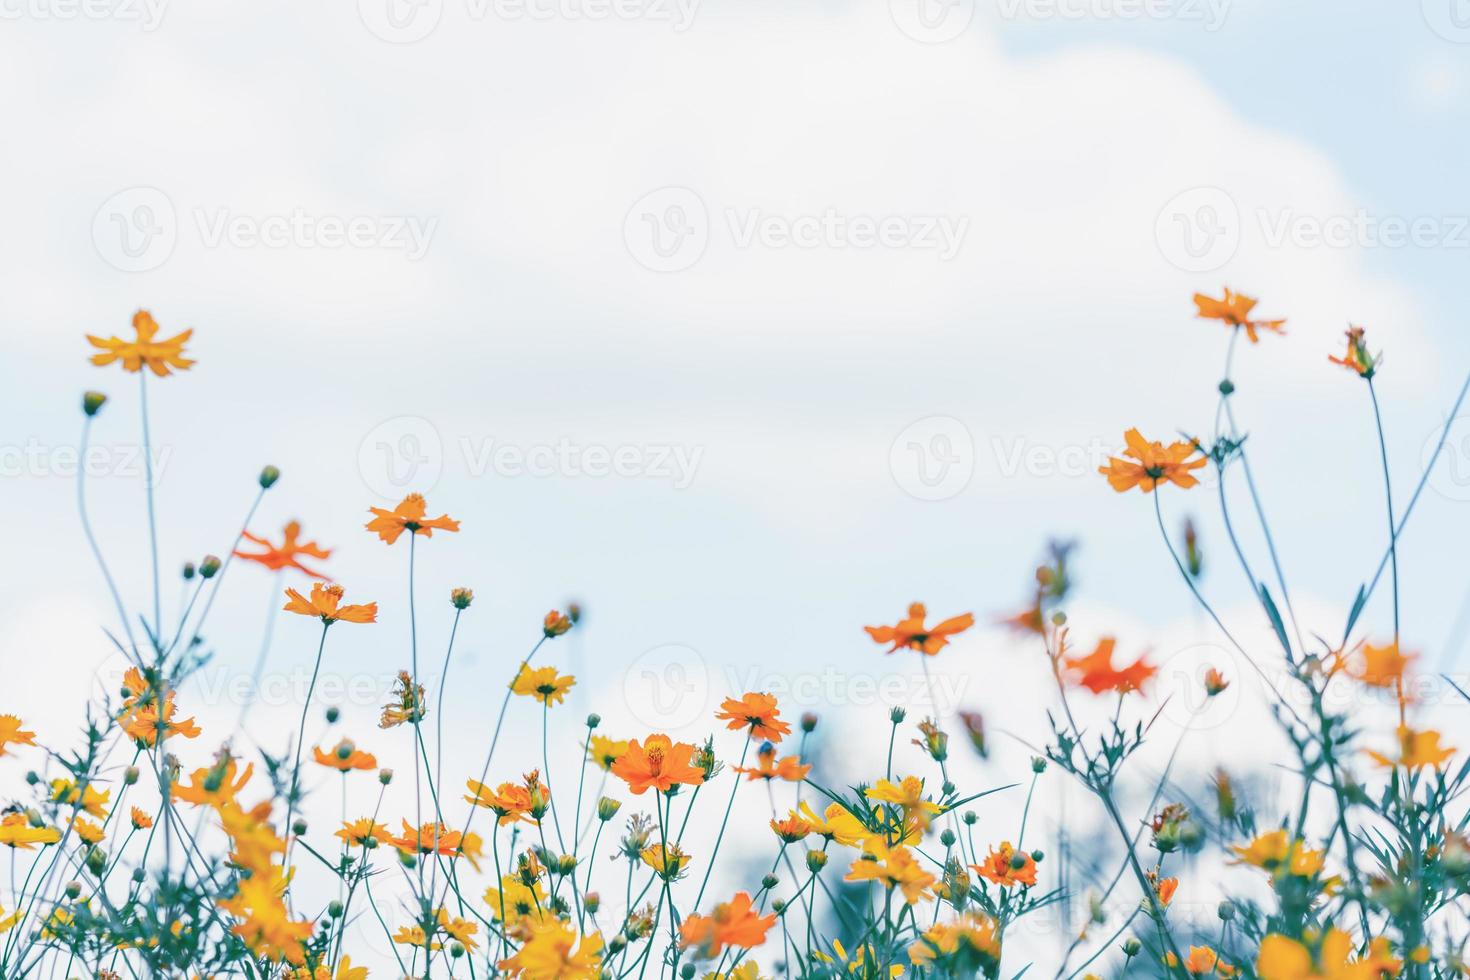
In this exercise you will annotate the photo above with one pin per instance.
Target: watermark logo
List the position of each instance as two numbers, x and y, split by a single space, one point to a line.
136 229
1450 19
400 21
932 21
1198 230
1180 686
1450 476
399 455
667 687
933 458
667 230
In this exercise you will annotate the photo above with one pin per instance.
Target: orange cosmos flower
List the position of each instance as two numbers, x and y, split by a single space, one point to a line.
431 838
345 757
1383 666
912 633
359 831
1235 311
659 763
213 786
998 868
1202 960
12 734
555 624
158 355
1097 673
408 516
733 923
1165 888
1152 463
285 556
1357 358
509 801
757 712
1416 750
141 820
142 723
791 829
789 768
324 604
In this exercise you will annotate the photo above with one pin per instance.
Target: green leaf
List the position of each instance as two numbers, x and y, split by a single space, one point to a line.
1357 610
1275 616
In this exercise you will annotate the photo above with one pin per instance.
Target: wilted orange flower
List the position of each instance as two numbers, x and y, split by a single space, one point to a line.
408 704
756 712
733 923
12 734
659 763
1215 682
767 767
912 633
974 723
408 516
431 838
1152 463
1416 750
324 603
998 868
359 831
345 757
543 684
1357 358
158 355
1235 311
285 556
141 820
1097 673
1383 666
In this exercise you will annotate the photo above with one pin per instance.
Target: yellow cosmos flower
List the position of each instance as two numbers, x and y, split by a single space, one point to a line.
544 684
159 356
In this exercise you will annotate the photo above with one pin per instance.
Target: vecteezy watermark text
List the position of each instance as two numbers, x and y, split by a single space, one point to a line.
138 228
148 14
668 230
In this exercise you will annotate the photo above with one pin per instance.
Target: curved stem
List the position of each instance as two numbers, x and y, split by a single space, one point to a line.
122 612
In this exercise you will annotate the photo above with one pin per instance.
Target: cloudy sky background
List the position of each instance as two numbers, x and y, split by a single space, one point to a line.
571 238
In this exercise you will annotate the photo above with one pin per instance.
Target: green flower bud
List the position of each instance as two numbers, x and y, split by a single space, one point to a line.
209 566
268 477
92 402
